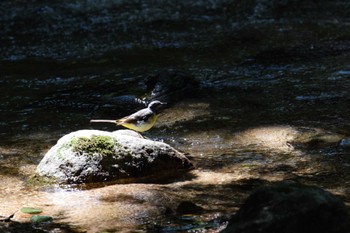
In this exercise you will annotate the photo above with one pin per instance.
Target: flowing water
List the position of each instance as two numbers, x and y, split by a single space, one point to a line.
267 108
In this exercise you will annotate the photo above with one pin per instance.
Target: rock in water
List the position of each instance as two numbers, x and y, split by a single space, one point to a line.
290 208
121 156
170 86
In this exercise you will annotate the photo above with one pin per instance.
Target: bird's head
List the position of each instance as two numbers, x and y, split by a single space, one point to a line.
155 105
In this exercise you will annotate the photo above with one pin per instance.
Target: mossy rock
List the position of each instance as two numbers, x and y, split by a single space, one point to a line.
120 156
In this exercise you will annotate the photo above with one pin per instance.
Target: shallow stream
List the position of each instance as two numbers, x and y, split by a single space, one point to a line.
267 108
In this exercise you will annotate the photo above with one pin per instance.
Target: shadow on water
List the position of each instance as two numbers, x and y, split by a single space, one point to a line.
39 228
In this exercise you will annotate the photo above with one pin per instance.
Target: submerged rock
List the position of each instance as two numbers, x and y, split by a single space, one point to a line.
188 207
344 143
290 208
170 86
120 156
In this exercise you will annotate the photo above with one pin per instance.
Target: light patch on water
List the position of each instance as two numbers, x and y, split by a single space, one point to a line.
270 137
206 177
67 198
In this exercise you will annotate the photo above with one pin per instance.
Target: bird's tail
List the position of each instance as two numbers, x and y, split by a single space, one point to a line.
106 121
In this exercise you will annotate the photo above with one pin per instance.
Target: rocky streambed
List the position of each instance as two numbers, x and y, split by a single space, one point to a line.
229 167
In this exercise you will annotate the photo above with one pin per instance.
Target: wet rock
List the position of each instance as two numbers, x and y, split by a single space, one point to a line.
290 208
170 86
120 156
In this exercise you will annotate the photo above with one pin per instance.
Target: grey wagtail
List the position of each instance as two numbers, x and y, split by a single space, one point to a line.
141 120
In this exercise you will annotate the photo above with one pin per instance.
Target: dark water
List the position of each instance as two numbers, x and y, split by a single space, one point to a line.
264 72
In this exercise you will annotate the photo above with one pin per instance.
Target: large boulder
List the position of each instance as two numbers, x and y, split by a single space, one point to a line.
120 156
290 208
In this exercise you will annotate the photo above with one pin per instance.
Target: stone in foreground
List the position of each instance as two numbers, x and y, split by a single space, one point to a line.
121 156
290 208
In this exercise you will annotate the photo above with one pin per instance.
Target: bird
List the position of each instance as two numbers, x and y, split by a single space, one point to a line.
141 120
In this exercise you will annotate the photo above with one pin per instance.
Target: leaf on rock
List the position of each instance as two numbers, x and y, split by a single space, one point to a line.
30 210
40 218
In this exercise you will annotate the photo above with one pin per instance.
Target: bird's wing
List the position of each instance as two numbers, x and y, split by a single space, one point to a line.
142 115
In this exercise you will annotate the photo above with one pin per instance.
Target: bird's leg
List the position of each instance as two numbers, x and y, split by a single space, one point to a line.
141 135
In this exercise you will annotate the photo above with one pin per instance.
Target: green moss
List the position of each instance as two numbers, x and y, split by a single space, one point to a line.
103 145
64 147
